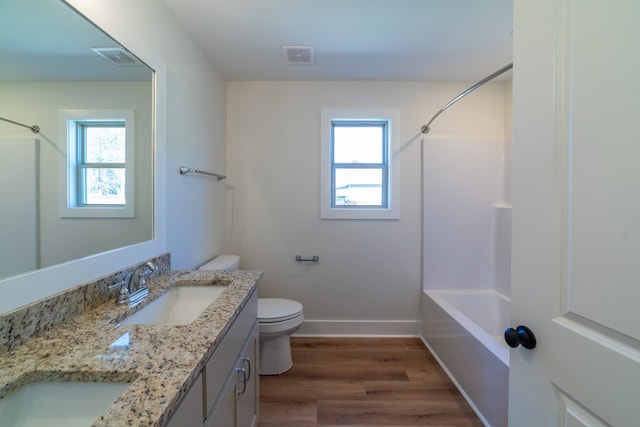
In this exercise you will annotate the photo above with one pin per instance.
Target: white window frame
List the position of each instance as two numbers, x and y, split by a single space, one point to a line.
392 117
69 208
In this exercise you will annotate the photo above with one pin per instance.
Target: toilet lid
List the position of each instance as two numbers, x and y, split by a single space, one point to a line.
277 309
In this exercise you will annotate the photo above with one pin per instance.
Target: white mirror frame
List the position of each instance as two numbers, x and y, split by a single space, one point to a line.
23 289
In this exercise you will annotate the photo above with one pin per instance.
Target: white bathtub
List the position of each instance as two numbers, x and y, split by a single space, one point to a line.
464 329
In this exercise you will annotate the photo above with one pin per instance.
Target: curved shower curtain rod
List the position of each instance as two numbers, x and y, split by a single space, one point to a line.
34 128
425 128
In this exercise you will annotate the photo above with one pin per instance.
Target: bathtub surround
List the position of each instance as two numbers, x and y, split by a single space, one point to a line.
22 324
461 186
467 264
503 249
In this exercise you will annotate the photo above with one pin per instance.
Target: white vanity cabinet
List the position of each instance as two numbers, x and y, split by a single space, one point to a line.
226 392
231 374
237 402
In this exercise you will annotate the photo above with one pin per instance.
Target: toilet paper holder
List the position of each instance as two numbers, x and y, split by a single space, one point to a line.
314 258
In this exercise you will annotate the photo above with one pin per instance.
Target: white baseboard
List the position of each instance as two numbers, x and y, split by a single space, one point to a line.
359 328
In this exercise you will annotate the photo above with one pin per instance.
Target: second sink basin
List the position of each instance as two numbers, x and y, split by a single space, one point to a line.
69 404
180 306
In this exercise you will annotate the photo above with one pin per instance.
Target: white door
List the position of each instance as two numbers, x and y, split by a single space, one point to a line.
576 213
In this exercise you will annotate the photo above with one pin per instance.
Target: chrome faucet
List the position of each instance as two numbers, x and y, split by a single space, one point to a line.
136 289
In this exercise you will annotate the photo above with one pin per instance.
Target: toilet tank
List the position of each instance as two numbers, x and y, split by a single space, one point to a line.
222 262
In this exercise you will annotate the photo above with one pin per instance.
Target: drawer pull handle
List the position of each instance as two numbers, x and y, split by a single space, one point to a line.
247 359
243 375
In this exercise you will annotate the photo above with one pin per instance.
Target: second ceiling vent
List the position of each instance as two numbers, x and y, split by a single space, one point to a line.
116 55
296 55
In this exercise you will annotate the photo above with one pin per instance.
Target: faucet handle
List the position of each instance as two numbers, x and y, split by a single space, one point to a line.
123 294
144 273
142 281
152 268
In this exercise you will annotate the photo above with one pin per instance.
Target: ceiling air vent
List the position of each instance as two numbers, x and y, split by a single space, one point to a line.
116 55
298 54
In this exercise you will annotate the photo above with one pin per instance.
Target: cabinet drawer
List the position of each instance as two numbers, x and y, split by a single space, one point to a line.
224 358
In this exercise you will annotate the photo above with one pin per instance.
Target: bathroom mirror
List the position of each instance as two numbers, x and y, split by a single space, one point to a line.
52 59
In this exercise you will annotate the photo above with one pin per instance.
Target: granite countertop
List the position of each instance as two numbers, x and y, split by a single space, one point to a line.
161 362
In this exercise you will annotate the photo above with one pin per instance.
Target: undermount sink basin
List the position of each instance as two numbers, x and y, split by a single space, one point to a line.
180 306
68 404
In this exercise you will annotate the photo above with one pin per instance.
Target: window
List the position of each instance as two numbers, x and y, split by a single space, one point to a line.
359 164
359 176
100 165
98 173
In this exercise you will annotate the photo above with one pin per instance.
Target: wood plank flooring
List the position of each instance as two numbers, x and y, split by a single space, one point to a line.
362 382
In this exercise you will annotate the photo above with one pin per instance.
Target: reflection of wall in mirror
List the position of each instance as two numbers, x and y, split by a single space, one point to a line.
18 251
64 239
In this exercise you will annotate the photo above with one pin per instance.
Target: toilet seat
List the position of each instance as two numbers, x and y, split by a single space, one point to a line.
273 310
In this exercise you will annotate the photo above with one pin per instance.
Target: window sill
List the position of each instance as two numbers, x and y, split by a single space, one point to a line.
337 213
97 212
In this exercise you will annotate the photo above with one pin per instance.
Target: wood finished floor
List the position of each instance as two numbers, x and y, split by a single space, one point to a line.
362 382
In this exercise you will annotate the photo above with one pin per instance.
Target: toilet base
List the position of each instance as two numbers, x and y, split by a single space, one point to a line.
275 355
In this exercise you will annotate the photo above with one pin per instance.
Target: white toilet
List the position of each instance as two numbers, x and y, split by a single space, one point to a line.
278 318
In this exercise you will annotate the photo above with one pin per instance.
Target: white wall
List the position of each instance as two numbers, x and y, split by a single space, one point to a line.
368 279
192 131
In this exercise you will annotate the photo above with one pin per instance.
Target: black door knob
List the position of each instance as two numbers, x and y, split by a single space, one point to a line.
520 336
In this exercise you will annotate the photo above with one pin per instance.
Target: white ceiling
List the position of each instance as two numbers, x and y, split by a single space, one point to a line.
442 40
438 40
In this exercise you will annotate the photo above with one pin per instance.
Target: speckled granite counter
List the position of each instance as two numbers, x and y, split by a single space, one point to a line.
161 362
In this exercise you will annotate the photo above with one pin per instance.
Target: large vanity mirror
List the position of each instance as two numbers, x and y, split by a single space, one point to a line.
54 64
